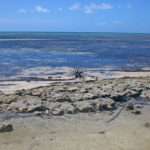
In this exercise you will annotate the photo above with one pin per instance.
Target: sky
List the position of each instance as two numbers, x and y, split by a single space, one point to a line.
75 15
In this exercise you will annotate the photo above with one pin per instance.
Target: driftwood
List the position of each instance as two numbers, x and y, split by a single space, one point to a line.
142 102
117 114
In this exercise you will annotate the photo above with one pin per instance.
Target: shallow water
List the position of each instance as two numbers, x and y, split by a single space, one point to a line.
20 51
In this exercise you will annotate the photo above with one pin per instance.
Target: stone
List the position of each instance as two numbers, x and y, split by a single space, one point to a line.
136 112
90 79
84 106
8 99
147 125
106 104
62 108
58 112
55 109
59 97
73 89
132 93
36 92
68 108
138 106
26 104
20 92
60 89
88 96
130 106
1 93
76 97
145 94
6 127
84 90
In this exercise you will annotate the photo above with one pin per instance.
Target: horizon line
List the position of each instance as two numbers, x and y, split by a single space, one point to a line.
36 31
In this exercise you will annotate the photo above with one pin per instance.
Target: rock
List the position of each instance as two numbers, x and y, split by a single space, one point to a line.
58 112
90 79
61 97
1 93
146 94
36 92
60 89
26 104
20 92
38 113
68 108
73 89
84 90
85 106
6 127
101 132
147 125
130 106
88 96
136 112
8 99
106 104
139 106
121 92
76 97
55 109
132 93
62 108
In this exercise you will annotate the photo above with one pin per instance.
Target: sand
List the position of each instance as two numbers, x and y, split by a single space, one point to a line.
79 132
10 87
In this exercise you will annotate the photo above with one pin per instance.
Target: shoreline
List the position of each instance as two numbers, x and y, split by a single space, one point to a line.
11 85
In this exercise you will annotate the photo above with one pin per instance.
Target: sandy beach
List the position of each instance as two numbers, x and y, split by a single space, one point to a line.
9 86
108 114
82 132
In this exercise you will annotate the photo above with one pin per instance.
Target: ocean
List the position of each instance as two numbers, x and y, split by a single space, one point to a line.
105 51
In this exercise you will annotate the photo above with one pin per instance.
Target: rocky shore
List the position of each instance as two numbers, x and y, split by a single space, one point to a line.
84 96
110 114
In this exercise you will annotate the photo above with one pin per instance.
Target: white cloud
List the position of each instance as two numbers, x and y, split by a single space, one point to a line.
41 9
91 8
75 7
22 11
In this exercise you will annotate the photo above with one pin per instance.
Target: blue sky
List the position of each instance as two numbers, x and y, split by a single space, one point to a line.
75 15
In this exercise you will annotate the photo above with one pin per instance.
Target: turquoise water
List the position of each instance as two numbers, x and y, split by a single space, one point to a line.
119 51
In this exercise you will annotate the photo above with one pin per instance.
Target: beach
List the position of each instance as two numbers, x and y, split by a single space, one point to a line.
89 113
11 85
74 91
80 132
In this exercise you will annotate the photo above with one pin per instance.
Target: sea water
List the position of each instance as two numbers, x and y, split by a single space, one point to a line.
115 51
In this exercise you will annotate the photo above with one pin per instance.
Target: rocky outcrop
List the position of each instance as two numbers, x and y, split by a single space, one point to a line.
6 127
85 106
25 104
146 94
80 97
